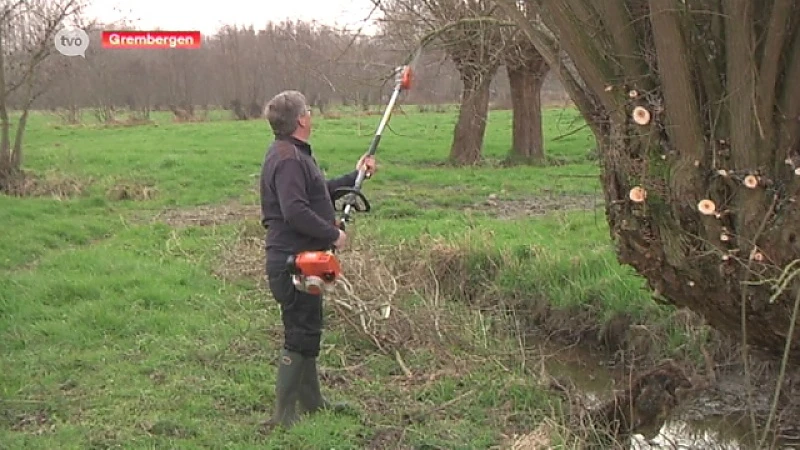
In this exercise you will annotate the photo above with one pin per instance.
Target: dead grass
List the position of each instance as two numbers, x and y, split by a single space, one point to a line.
401 296
541 438
53 184
210 215
403 301
373 298
190 119
243 258
332 115
29 418
387 307
536 206
113 123
131 190
133 121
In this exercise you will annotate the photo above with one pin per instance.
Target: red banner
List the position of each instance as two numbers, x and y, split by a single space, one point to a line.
151 39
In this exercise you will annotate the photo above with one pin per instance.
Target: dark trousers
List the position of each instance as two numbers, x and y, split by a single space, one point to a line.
301 312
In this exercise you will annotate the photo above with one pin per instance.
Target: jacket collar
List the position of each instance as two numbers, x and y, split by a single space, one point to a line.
303 146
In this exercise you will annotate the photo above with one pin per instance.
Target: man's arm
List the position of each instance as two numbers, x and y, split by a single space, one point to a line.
343 181
291 189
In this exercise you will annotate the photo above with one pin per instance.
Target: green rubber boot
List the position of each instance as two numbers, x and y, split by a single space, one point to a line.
287 387
311 398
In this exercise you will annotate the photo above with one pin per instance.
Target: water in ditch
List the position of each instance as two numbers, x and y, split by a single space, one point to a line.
709 420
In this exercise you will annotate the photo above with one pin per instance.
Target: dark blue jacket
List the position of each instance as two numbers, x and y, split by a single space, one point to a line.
296 205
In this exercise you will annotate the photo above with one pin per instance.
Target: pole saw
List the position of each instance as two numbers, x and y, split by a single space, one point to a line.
353 194
317 271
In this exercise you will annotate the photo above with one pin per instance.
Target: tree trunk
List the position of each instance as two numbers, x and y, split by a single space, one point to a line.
7 169
526 82
696 112
695 262
16 158
471 126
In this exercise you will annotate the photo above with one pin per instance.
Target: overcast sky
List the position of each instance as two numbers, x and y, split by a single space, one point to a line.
208 15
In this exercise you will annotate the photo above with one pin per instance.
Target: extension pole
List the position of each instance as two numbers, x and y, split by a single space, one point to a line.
403 83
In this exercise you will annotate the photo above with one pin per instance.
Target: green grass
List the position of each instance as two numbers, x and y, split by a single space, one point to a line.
115 331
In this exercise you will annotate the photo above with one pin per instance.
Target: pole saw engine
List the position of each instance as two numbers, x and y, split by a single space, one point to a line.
316 272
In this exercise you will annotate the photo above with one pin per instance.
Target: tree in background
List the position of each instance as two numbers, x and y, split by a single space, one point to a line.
27 30
527 70
476 39
473 41
233 70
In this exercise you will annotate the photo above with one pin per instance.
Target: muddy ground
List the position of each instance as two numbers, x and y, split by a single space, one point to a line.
501 208
595 361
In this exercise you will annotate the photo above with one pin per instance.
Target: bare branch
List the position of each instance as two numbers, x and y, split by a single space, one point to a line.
741 81
789 114
583 52
620 24
770 63
679 100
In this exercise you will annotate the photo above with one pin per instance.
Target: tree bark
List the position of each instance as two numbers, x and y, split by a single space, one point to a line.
526 82
469 132
6 168
31 96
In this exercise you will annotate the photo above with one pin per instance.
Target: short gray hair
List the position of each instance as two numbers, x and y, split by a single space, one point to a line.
283 110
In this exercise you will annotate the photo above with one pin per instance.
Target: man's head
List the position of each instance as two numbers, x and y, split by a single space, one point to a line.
289 115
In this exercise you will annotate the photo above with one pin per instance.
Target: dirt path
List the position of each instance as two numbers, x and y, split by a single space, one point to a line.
221 214
536 205
541 205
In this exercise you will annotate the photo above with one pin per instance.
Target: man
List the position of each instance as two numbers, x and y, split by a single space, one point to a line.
299 215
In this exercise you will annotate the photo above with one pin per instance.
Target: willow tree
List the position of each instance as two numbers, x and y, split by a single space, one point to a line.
696 111
526 70
467 32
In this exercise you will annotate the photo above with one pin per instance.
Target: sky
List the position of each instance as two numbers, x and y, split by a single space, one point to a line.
207 16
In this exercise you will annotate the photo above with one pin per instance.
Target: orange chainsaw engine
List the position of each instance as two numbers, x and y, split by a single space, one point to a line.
314 272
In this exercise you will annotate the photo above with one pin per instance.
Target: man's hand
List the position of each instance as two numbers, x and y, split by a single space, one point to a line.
340 242
368 163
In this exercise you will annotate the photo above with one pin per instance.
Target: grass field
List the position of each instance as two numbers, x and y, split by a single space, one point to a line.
132 312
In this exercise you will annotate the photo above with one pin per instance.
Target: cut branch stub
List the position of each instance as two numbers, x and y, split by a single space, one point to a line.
794 163
638 194
707 207
641 115
756 255
751 181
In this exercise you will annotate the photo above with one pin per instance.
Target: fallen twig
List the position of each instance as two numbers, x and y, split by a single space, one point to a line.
402 364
